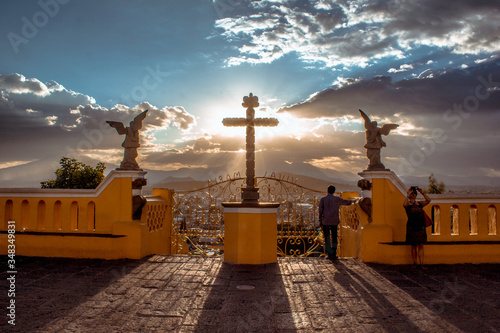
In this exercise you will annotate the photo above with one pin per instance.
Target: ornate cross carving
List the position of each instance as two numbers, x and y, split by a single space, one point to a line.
250 194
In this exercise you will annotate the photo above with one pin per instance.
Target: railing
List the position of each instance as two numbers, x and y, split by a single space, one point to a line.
297 215
68 210
198 214
48 214
154 213
464 217
94 223
349 217
45 214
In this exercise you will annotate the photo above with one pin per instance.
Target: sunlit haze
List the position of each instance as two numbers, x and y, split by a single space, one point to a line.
432 67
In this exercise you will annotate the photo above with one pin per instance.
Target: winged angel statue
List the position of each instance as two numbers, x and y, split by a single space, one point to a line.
374 141
131 142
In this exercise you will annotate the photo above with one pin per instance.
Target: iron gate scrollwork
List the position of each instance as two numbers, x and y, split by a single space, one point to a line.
199 218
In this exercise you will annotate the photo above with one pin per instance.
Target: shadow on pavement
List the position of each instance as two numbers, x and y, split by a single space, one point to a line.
245 298
383 312
48 289
464 295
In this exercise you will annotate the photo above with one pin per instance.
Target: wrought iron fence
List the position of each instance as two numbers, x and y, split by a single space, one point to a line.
199 218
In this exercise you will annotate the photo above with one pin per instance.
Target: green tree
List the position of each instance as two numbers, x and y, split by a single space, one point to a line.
75 174
434 186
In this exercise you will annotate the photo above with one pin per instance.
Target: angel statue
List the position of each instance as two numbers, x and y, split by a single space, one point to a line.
131 142
374 141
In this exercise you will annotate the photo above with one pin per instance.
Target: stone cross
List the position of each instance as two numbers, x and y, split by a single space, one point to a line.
250 194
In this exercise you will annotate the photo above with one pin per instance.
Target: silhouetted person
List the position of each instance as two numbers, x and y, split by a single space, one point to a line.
329 220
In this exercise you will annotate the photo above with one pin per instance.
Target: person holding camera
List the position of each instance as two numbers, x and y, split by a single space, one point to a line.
416 234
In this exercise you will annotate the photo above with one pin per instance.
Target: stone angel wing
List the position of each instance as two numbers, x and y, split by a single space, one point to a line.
136 124
120 128
365 117
387 128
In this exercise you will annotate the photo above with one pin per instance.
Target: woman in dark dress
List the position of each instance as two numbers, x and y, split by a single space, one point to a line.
416 234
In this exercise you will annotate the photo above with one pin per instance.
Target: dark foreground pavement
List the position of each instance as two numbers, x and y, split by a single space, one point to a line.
196 294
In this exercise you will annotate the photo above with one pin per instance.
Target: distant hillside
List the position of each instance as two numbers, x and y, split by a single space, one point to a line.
181 183
30 174
189 183
473 189
315 183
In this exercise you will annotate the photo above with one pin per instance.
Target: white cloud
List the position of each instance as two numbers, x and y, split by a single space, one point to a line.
14 163
402 68
17 83
490 172
51 120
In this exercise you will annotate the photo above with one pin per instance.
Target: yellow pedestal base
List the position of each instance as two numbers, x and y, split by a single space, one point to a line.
371 237
250 234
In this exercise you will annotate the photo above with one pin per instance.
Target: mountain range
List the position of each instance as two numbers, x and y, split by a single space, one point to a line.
29 175
189 183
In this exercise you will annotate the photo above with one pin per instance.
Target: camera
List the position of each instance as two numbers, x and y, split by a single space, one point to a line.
414 189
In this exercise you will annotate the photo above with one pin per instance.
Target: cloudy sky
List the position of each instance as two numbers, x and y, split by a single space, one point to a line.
431 66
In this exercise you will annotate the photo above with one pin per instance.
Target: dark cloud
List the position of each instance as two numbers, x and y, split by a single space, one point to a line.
39 120
33 103
431 95
434 18
352 33
448 119
325 151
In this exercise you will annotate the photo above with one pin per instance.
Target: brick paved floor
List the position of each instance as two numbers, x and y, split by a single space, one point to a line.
196 294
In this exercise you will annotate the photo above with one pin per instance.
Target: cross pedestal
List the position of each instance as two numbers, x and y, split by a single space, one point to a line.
250 232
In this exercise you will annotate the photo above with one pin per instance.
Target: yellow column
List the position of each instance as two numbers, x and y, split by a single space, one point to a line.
463 222
482 221
250 233
165 241
386 205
